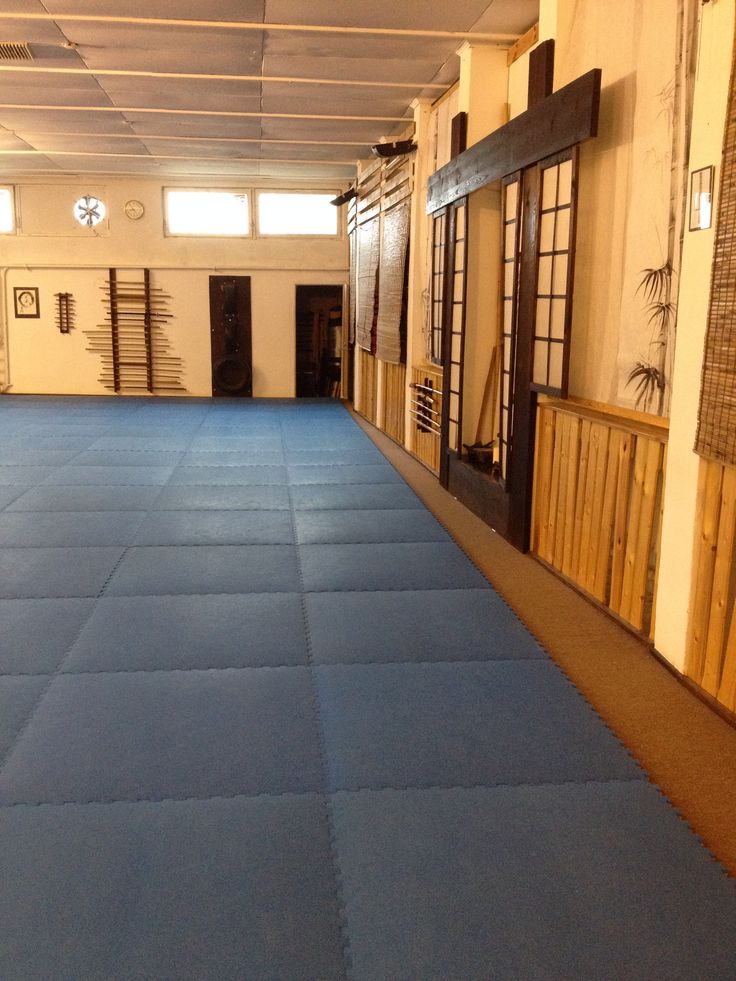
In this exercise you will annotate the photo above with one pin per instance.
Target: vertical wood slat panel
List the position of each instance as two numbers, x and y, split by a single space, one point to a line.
593 494
543 480
585 468
394 393
573 464
722 572
727 688
709 494
621 513
604 551
597 504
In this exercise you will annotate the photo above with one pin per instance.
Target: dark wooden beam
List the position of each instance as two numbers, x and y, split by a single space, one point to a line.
458 135
521 461
564 118
541 73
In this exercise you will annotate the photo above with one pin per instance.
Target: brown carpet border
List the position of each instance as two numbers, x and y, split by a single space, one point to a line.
688 750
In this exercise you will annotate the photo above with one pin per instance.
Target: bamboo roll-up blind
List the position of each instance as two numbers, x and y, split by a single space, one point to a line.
368 251
353 284
716 436
394 246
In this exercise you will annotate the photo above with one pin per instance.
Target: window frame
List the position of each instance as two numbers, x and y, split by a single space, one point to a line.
296 236
246 193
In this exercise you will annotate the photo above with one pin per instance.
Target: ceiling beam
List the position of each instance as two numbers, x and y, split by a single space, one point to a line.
145 137
174 156
203 112
202 76
503 40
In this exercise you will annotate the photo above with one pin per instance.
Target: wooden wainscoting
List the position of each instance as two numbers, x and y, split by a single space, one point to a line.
367 402
425 413
596 518
393 399
711 641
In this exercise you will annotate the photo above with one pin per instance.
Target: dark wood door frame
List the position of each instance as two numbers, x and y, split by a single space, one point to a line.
554 121
231 336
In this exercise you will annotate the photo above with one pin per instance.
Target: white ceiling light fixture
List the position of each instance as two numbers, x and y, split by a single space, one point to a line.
89 210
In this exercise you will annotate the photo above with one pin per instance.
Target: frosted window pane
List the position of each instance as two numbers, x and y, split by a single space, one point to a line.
555 365
539 374
296 214
546 232
510 242
544 281
7 223
564 193
207 213
559 282
549 187
558 319
542 325
562 232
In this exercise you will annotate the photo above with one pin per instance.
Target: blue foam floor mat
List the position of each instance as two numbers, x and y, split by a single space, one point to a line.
261 718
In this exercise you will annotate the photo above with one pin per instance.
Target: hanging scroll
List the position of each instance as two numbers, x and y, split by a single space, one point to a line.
368 254
716 436
394 247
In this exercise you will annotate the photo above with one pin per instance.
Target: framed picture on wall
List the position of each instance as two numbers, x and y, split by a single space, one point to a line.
26 301
701 198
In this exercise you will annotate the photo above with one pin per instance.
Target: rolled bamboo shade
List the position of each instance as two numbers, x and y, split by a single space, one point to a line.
394 244
369 247
716 435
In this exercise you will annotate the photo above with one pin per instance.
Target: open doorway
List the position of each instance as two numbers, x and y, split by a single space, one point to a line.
318 341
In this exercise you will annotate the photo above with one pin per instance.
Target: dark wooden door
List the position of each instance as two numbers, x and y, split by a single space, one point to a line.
230 335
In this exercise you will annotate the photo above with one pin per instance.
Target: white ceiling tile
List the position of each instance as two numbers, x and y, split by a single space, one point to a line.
180 9
460 15
199 126
411 62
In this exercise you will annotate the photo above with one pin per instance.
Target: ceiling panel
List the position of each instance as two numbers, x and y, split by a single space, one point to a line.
319 129
460 15
408 64
199 126
166 48
67 90
517 16
10 141
23 121
330 100
183 94
19 163
180 9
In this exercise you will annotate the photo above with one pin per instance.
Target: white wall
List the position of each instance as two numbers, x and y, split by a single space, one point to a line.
681 480
53 252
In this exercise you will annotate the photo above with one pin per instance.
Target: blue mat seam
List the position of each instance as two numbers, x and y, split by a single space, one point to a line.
326 799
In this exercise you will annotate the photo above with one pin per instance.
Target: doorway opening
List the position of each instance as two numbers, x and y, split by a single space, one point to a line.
319 338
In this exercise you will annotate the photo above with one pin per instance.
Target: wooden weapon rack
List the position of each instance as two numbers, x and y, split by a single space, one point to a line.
132 343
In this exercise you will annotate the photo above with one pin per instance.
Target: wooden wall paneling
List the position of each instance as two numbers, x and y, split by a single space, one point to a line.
722 577
709 493
620 521
581 485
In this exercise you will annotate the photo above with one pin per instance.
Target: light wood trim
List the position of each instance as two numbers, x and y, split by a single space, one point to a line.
525 42
587 407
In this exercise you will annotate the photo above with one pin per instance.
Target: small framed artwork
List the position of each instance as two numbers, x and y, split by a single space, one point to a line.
26 301
701 198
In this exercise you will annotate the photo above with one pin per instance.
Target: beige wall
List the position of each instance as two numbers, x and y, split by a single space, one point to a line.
53 252
624 176
673 595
